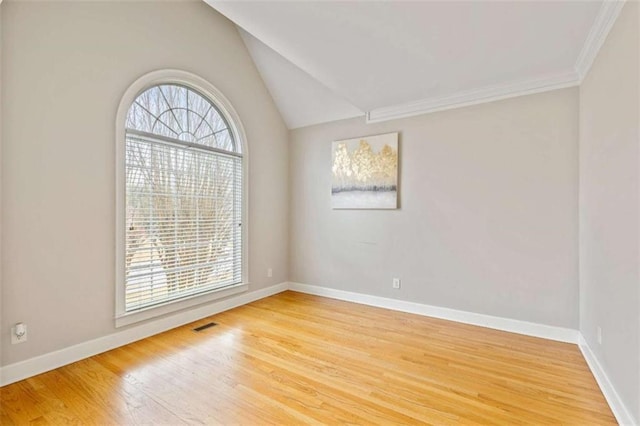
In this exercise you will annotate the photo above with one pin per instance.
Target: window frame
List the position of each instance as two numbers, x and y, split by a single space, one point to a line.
206 89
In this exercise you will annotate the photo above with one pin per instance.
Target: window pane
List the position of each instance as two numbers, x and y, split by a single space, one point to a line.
183 205
183 222
174 111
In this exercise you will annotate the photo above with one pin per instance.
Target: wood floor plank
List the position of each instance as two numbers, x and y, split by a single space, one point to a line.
300 359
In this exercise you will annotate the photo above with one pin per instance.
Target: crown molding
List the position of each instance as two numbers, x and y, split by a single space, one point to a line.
474 97
607 15
606 18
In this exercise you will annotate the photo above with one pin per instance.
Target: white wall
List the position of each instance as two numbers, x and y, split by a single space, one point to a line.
488 217
65 67
609 209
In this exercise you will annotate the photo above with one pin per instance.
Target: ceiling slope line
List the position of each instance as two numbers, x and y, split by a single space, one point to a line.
328 106
474 97
607 16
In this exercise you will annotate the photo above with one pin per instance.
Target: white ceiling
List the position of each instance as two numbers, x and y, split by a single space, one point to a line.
301 99
326 60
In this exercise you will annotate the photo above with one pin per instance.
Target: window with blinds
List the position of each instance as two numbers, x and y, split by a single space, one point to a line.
183 198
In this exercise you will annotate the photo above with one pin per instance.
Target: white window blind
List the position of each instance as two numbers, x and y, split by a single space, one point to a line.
183 199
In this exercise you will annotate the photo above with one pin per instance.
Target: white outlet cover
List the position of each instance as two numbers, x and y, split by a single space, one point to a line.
14 339
396 283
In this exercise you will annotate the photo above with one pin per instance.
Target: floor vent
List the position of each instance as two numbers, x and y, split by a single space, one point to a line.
204 327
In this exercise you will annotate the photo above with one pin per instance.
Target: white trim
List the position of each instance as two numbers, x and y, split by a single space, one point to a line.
474 97
177 305
505 324
623 415
607 15
226 108
21 370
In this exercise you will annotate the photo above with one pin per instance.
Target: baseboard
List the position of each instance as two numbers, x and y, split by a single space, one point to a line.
623 415
21 370
505 324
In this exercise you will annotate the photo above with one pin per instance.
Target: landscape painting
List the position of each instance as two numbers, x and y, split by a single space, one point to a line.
365 173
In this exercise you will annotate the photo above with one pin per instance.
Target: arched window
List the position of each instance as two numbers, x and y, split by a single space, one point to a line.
183 207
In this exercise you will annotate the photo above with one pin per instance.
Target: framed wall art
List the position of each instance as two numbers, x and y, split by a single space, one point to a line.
365 173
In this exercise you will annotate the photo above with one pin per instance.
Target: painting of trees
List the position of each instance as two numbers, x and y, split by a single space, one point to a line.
365 172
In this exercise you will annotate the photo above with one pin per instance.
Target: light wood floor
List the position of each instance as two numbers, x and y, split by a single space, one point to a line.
294 358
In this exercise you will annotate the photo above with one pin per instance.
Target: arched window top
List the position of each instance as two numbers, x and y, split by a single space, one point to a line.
180 113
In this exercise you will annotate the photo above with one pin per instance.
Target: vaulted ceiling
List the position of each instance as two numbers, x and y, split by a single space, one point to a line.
325 61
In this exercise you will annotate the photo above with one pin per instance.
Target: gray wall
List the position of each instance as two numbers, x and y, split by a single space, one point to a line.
609 209
488 218
65 67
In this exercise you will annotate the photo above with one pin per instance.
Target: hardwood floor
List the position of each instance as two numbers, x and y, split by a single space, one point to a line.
294 358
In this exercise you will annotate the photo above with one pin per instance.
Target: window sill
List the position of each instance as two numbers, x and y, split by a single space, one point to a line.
177 305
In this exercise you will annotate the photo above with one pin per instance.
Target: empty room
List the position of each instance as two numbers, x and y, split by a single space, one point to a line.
319 212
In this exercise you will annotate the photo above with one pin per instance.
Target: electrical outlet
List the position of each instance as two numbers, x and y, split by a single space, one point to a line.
18 333
599 332
269 273
396 283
